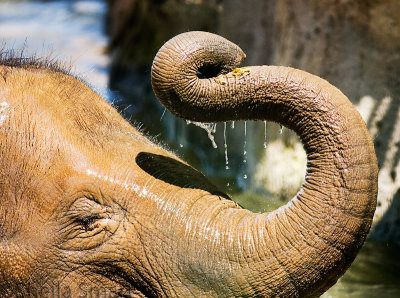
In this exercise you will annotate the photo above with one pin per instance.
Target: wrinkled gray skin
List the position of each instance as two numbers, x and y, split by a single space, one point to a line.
90 206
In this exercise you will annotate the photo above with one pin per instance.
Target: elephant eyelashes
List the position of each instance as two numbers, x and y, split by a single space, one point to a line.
87 223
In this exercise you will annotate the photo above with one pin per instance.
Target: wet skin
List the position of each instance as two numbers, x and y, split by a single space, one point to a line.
88 203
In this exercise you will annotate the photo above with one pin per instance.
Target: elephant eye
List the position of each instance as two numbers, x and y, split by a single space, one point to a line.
87 224
84 212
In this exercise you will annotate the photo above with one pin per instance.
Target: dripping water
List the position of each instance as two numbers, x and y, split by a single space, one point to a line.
245 143
226 149
265 134
281 129
210 128
245 147
163 114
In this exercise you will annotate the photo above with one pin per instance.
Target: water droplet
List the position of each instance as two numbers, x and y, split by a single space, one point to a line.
181 145
265 134
245 143
163 114
244 176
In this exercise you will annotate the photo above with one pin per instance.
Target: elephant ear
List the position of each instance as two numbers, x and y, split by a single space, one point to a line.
302 248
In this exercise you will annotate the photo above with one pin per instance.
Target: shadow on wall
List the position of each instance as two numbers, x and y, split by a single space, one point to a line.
355 45
388 227
376 113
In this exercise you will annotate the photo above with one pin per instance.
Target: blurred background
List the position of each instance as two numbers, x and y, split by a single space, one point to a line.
354 44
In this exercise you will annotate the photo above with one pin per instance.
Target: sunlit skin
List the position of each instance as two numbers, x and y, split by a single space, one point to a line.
88 204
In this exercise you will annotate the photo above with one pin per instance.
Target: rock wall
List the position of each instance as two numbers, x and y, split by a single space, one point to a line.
355 45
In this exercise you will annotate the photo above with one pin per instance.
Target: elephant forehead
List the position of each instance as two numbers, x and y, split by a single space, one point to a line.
54 127
57 108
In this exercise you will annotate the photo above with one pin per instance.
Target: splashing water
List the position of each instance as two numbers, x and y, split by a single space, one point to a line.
210 128
226 149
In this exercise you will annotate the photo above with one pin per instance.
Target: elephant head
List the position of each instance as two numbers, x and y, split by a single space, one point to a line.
88 205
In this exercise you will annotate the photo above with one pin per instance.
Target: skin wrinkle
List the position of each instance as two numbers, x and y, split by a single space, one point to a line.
100 272
66 268
155 276
282 262
258 259
307 240
277 261
144 283
288 231
175 277
288 215
121 271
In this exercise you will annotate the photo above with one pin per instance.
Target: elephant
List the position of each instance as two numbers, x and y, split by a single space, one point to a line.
91 207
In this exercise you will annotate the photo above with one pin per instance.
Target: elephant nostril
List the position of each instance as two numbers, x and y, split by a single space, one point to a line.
208 71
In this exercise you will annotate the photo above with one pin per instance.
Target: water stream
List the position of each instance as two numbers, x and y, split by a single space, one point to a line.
72 31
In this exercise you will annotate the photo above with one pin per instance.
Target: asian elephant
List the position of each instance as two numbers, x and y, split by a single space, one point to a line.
89 206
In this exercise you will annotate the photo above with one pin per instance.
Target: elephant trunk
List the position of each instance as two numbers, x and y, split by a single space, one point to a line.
302 248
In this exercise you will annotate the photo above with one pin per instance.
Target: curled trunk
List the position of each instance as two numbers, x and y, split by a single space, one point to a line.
302 248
